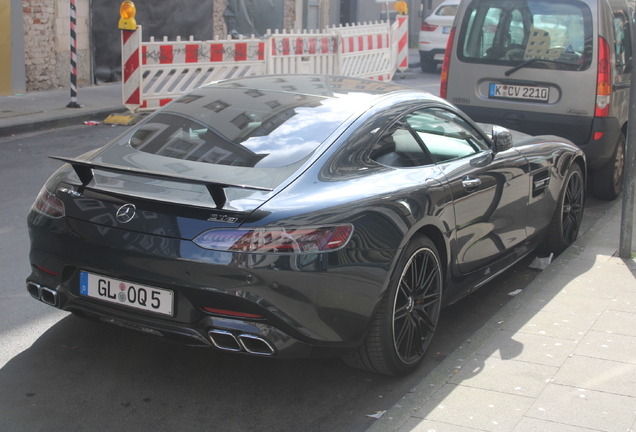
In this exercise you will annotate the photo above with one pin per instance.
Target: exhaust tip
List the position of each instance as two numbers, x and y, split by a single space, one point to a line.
48 296
42 293
256 345
224 340
34 290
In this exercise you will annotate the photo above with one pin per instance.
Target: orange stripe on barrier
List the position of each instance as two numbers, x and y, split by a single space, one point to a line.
240 52
165 54
163 102
216 52
126 34
192 54
402 42
134 98
299 46
261 51
131 65
144 54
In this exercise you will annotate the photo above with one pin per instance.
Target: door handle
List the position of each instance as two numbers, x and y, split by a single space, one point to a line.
470 182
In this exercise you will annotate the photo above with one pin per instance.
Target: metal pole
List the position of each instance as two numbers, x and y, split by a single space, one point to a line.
73 103
627 215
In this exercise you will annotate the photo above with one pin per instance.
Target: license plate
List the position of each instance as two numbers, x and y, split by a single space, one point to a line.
446 30
520 92
142 297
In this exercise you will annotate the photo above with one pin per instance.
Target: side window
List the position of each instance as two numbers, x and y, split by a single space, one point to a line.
445 135
622 43
516 28
398 147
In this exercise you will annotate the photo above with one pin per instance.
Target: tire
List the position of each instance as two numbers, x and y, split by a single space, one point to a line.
427 64
566 221
607 182
403 327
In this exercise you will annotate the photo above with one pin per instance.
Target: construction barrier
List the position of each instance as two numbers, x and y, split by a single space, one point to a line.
155 73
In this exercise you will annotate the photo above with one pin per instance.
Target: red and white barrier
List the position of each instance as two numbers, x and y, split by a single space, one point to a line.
131 72
401 38
156 72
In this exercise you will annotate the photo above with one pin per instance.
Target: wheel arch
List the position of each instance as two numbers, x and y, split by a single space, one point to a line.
438 239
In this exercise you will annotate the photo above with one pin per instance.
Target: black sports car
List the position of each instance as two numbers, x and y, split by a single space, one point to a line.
297 216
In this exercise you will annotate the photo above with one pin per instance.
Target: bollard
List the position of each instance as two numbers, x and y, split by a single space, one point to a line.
73 103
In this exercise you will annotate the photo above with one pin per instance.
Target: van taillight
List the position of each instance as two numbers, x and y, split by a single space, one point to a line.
603 80
443 87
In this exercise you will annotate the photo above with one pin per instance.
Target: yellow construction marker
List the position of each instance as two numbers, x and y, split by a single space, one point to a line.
123 119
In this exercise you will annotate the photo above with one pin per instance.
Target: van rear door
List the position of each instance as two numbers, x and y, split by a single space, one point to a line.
524 64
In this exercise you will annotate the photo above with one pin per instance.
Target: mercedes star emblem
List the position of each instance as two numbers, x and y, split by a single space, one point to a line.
126 213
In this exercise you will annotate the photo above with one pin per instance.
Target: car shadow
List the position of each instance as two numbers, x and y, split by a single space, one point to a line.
81 375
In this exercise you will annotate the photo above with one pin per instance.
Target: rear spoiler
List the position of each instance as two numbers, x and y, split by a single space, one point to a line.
84 170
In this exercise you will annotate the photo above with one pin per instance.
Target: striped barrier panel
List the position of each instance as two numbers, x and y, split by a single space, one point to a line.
131 71
171 69
156 72
303 53
400 37
366 54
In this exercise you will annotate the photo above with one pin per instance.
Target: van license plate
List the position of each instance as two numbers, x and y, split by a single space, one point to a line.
519 92
146 298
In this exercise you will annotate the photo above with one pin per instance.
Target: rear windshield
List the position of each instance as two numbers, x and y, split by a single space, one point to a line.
242 127
545 34
447 10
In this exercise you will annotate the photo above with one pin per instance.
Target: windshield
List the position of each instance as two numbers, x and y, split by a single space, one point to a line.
553 34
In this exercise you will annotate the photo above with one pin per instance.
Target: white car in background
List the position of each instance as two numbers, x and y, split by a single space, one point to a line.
434 35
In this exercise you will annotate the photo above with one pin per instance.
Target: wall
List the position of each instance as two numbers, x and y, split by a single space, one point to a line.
5 48
47 44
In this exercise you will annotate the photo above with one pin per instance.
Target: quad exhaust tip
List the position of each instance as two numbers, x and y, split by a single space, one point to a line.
251 344
42 293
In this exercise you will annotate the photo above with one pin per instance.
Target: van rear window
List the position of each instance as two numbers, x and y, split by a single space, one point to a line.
545 34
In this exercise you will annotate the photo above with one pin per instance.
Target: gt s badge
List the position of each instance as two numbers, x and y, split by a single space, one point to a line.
71 192
214 217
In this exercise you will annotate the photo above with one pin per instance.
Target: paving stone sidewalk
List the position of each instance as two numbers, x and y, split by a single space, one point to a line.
560 356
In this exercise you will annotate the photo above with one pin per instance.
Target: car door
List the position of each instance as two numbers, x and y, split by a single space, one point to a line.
489 190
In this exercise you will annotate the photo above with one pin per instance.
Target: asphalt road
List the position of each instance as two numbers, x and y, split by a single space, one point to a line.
58 372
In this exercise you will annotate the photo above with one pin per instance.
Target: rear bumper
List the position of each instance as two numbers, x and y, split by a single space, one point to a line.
430 54
579 130
223 333
306 306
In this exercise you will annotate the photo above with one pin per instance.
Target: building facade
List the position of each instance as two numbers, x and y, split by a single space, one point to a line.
37 37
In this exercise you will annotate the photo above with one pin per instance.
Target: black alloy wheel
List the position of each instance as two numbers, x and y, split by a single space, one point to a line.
407 317
568 215
416 306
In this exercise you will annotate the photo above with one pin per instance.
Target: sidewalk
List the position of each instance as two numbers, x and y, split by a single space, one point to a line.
560 356
47 110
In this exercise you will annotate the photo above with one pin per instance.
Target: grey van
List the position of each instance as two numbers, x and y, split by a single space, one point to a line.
548 67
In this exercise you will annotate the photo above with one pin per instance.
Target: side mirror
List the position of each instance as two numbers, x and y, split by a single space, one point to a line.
501 138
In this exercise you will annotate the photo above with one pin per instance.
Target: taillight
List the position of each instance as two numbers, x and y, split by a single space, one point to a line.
428 27
603 80
443 87
48 205
276 240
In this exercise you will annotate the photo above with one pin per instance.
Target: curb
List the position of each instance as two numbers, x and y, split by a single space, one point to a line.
55 123
404 409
